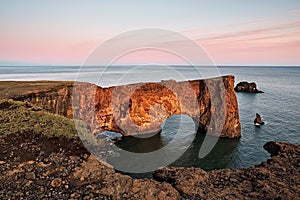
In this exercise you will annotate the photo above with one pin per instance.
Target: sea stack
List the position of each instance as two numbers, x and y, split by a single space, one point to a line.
247 87
258 120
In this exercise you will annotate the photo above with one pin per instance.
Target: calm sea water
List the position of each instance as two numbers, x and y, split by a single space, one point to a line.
278 106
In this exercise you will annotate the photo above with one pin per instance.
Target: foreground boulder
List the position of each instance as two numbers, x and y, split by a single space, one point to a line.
247 87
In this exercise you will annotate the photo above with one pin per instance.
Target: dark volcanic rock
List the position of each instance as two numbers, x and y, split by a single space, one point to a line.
78 175
67 175
247 87
258 120
277 178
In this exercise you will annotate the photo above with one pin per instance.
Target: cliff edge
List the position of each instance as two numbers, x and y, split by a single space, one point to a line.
136 108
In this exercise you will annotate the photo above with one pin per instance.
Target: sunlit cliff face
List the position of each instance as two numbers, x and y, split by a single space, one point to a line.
142 108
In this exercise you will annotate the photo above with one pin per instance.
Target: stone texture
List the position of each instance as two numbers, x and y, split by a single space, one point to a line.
53 96
277 178
143 107
65 174
139 108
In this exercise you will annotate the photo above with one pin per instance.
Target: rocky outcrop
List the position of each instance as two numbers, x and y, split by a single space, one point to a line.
258 120
247 87
277 178
52 96
140 108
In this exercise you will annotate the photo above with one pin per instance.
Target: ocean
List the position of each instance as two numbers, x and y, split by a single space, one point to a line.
278 106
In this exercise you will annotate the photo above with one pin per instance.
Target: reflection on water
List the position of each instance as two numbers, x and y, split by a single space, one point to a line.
141 145
154 142
149 152
223 155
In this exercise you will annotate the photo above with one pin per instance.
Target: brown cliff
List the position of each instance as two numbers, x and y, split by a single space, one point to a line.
137 108
143 107
53 96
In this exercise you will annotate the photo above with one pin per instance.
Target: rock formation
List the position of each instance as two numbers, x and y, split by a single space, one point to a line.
258 120
37 165
247 87
277 178
52 96
139 108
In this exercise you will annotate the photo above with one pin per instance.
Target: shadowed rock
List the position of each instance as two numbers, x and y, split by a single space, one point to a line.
247 87
277 178
258 120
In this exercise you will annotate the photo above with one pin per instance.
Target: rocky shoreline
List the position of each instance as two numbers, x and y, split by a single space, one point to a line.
30 171
35 164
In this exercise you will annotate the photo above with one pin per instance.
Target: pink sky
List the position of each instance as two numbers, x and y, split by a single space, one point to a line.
273 40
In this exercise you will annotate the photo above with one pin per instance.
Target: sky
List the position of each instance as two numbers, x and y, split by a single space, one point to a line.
65 32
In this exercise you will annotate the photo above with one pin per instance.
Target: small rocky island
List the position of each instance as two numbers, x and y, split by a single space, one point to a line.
247 87
258 121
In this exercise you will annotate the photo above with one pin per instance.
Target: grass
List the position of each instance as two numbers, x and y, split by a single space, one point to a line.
20 117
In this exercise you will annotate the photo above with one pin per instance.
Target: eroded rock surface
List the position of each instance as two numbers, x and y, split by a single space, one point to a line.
277 178
67 174
52 96
137 108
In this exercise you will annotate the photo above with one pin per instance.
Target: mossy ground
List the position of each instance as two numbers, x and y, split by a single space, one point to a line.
27 132
20 117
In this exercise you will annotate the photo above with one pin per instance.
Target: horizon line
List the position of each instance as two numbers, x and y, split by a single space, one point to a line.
126 65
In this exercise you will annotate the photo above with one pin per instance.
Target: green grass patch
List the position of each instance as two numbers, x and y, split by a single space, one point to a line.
21 117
